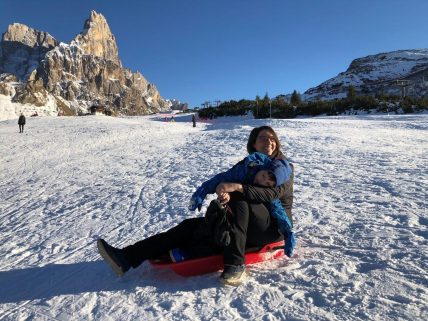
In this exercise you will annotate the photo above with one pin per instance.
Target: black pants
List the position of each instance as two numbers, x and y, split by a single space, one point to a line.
251 225
21 128
189 234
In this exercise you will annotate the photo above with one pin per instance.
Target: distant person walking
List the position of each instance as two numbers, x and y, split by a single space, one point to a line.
194 120
21 123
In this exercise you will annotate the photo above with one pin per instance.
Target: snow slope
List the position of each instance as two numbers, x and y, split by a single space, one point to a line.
360 204
12 110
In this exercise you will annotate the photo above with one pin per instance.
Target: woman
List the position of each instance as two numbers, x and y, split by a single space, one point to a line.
251 223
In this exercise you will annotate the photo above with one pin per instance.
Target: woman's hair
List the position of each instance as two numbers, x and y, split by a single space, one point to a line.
253 137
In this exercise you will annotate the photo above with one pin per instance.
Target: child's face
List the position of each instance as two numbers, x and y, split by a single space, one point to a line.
263 178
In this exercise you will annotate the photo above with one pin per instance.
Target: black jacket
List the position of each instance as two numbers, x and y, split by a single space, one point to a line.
21 120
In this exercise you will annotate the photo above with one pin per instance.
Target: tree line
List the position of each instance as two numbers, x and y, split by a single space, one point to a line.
280 107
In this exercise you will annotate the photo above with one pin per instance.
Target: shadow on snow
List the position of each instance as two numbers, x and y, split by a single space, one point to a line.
69 279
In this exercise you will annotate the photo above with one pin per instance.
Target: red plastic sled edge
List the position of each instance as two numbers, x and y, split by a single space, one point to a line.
215 263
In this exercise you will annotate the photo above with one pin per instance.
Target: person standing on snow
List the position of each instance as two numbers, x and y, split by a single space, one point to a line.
21 123
194 120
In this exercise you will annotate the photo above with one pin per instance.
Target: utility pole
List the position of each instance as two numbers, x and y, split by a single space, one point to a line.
206 104
403 84
257 108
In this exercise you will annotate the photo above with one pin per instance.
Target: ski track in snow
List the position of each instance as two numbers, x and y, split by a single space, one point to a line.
360 209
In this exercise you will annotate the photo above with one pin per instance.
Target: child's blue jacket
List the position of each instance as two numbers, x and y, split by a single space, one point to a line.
244 172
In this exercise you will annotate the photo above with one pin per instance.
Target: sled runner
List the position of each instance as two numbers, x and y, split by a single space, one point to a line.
215 263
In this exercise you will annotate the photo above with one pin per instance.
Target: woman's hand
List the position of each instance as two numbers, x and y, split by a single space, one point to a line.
224 198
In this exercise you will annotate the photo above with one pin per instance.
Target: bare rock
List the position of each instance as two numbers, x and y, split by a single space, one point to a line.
96 38
33 92
22 49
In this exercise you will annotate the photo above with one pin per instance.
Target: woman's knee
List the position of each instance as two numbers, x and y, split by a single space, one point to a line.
186 226
260 216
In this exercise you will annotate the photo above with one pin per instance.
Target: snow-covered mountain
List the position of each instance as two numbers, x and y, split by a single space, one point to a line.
38 70
388 73
177 105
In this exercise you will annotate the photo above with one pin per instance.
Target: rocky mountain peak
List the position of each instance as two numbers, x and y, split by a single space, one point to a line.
96 38
30 37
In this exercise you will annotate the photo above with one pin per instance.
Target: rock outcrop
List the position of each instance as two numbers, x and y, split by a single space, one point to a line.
22 48
96 39
85 72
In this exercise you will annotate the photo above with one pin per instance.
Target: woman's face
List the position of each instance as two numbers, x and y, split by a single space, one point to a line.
265 143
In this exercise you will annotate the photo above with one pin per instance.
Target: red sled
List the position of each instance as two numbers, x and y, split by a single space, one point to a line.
215 263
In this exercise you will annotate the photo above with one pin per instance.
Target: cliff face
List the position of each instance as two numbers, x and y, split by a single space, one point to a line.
97 40
22 49
381 73
37 68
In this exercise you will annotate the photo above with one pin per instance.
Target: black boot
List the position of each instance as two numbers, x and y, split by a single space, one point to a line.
114 257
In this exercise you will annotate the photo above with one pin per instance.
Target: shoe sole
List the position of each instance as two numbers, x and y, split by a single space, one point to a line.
116 268
234 282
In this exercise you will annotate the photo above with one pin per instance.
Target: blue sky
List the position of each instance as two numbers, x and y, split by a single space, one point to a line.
200 50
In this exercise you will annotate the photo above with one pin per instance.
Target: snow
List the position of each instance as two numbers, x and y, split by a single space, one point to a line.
12 110
360 207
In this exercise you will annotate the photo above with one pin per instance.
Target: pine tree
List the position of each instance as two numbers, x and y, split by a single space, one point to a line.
266 100
351 95
295 99
256 109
